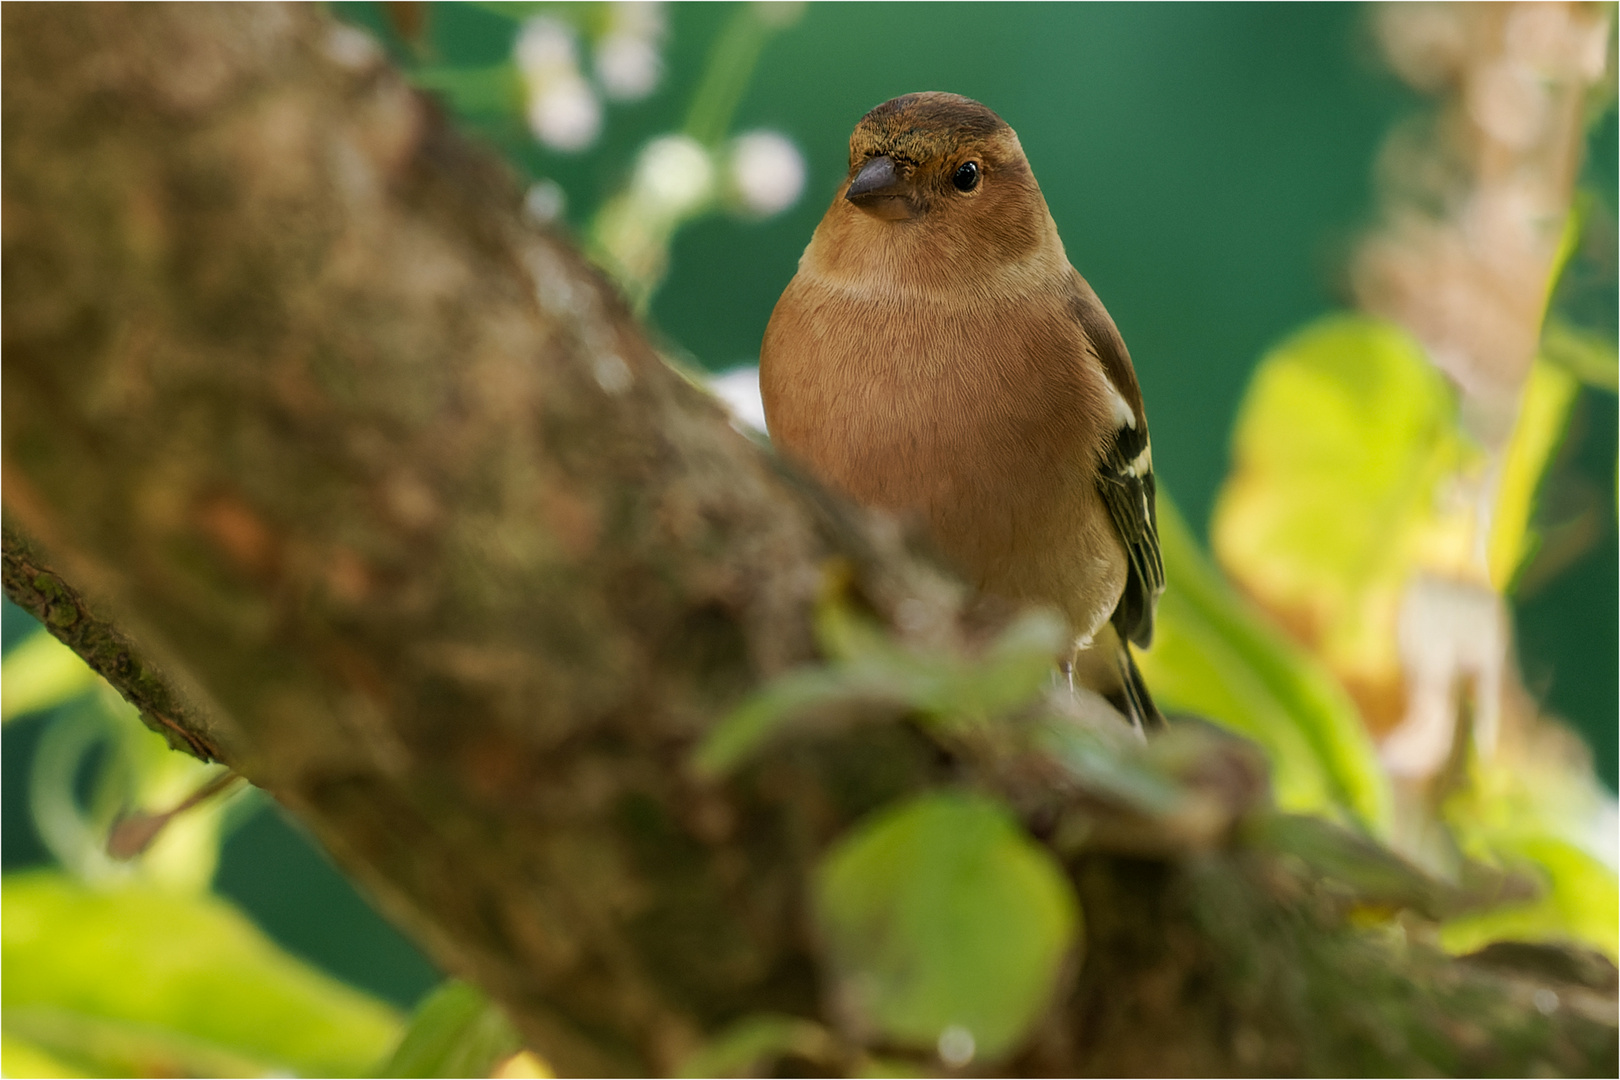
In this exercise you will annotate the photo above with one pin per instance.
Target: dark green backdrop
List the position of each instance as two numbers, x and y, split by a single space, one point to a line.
1208 166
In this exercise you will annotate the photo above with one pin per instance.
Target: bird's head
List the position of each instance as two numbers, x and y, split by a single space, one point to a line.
940 178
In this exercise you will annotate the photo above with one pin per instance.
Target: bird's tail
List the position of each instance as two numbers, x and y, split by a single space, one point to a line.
1138 704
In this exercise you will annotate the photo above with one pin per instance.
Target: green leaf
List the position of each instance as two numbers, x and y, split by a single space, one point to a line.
137 981
939 913
456 1031
18 1057
1544 408
97 1045
886 1068
1215 656
1585 354
1540 812
1342 446
752 1044
41 673
1106 765
1581 902
747 728
867 666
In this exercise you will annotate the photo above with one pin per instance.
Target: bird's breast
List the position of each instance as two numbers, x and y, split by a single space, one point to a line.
969 410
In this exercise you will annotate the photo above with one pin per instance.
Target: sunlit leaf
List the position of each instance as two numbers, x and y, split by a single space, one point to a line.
136 981
1543 416
18 1057
1581 902
1215 656
456 1031
103 1046
1342 449
941 913
1537 810
41 673
523 1065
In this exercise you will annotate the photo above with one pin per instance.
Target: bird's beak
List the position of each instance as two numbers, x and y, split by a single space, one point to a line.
878 188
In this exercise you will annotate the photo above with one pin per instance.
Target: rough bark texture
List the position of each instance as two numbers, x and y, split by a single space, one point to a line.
350 479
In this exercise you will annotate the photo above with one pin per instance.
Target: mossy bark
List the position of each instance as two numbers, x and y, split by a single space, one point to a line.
351 479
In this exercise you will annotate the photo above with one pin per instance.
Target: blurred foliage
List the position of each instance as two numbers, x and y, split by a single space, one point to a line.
1539 812
1585 354
457 1031
866 667
1347 456
40 674
95 762
1579 900
1214 656
1341 452
945 925
749 1046
131 979
1543 417
678 177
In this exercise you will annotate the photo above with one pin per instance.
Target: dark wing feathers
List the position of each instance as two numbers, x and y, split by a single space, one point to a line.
1130 501
1125 476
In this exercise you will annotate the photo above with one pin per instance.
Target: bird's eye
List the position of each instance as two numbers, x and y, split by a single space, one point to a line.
967 176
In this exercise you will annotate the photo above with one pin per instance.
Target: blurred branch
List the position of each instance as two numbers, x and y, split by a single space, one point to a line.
468 573
731 64
1476 197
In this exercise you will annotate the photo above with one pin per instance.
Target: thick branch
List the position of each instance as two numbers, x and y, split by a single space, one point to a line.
410 526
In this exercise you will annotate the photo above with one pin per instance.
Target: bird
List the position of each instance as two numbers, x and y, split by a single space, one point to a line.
937 356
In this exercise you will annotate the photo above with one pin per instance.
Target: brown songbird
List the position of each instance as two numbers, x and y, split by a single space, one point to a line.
937 355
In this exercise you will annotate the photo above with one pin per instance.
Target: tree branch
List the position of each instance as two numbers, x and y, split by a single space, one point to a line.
380 497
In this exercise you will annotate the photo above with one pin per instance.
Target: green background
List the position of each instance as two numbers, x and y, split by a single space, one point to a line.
1209 167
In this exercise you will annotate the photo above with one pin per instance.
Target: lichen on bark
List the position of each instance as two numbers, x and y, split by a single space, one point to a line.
351 479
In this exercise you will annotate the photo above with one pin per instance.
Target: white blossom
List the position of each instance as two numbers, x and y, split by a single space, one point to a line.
545 202
767 171
674 175
562 109
739 390
628 63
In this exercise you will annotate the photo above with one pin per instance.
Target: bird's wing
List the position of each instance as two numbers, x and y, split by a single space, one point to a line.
1125 474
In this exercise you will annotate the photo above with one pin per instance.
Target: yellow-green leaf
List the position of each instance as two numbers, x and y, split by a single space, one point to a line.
1543 417
1581 902
942 920
41 673
866 665
133 980
18 1057
1215 656
1341 447
1589 357
456 1031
